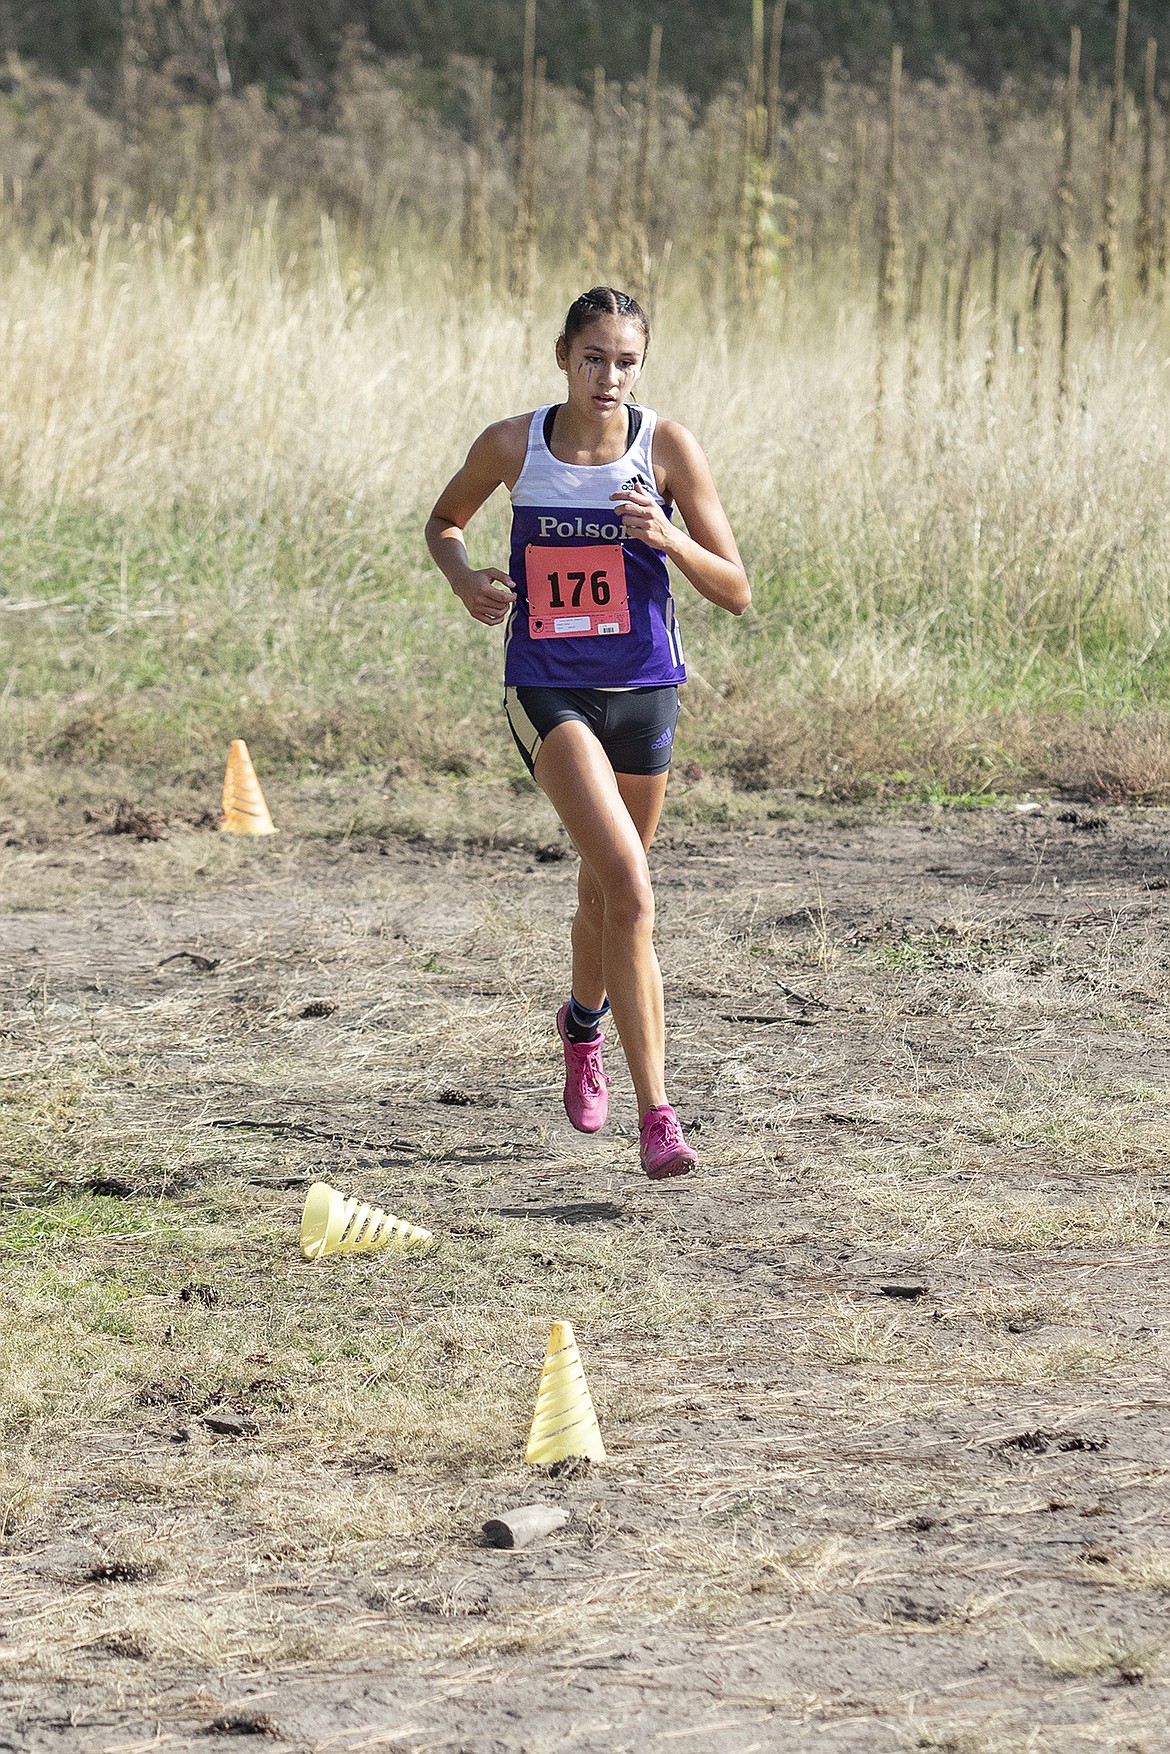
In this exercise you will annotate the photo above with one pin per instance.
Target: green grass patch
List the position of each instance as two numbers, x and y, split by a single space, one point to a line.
335 648
80 1219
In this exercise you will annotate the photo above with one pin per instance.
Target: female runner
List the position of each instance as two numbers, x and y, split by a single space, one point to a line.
592 664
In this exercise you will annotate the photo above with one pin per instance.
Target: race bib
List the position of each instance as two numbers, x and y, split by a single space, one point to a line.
576 591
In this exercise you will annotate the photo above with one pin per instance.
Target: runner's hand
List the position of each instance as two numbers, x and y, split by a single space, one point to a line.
488 595
643 518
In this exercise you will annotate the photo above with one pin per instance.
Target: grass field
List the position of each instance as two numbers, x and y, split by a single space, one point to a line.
917 1025
928 1055
217 460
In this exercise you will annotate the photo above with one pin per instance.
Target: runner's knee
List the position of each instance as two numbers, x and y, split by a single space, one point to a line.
629 898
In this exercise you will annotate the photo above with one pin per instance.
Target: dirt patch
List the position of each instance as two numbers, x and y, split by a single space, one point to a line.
883 1386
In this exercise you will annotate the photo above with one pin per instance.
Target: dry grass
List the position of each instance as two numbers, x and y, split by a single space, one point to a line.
1127 1663
896 1206
789 1448
1147 1571
958 1084
218 463
385 154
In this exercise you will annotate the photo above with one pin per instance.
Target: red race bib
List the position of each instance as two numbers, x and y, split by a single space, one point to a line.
576 591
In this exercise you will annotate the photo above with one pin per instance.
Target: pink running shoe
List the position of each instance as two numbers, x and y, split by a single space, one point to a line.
586 1085
664 1150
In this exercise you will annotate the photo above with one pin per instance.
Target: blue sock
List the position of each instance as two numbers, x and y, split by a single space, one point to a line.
582 1024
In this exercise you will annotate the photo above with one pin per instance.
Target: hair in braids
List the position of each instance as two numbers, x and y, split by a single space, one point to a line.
603 301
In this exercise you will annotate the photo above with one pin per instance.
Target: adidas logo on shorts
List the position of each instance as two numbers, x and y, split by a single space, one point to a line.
663 742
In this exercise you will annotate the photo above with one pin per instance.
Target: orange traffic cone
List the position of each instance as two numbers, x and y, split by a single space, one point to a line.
564 1423
244 809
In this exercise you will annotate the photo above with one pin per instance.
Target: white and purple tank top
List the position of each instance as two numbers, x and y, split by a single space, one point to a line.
591 610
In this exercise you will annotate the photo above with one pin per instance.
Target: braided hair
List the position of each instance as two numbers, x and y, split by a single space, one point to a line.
603 301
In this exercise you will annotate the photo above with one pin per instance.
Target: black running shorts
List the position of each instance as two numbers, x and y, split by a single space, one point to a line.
635 726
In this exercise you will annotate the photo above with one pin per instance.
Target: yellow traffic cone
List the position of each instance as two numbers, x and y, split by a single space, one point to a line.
564 1423
333 1225
244 809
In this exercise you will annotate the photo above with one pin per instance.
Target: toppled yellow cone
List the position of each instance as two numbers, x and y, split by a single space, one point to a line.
564 1423
244 809
333 1225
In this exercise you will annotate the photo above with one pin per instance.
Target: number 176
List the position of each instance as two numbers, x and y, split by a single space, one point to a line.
598 588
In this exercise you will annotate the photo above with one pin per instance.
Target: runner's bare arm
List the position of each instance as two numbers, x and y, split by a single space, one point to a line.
494 460
705 552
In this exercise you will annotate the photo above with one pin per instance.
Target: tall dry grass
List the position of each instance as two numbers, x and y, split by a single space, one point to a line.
384 150
217 460
241 346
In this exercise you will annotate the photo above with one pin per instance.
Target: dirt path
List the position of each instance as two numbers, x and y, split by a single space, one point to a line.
883 1387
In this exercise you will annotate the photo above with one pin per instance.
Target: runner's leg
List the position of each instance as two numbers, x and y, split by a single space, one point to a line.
643 795
611 820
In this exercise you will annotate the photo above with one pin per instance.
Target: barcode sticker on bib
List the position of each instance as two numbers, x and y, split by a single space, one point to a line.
573 592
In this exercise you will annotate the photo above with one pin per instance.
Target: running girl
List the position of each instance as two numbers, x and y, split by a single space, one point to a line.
592 664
